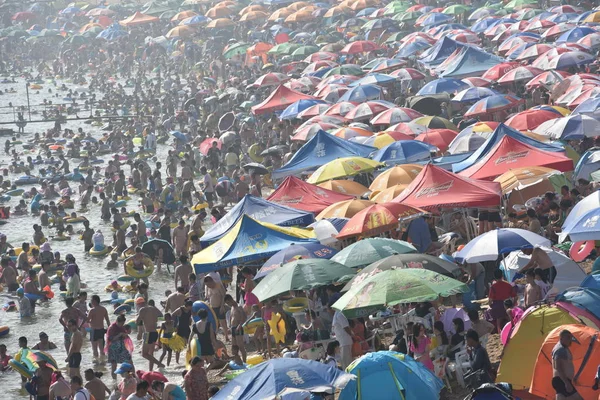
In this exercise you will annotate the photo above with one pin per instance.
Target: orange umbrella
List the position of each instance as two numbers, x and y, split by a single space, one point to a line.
350 188
398 175
183 15
180 31
350 132
362 4
258 49
371 221
138 19
220 23
344 209
254 16
300 16
440 138
226 3
219 12
388 194
281 13
89 26
338 10
297 6
254 7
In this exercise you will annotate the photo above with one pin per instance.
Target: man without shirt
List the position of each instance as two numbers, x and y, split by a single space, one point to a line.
74 354
148 317
96 318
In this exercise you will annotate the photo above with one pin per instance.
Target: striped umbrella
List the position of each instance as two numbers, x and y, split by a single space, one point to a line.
395 115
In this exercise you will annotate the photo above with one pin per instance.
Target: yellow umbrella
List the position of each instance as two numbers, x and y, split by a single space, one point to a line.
362 4
300 16
343 167
281 13
435 123
348 132
220 23
344 209
297 6
593 17
382 140
519 177
387 195
350 188
219 12
338 10
398 175
254 16
180 31
183 15
254 7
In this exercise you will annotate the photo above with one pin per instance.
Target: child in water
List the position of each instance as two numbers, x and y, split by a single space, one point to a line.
113 263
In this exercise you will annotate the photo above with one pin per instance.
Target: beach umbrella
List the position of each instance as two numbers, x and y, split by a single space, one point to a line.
440 138
350 133
406 128
371 221
456 9
195 20
591 41
207 144
491 245
396 286
398 175
515 4
360 46
305 133
497 71
321 56
344 209
343 167
471 138
490 105
317 109
183 15
590 107
574 34
304 51
220 23
570 59
404 152
305 274
256 168
580 223
271 79
332 93
351 188
281 13
573 127
395 115
362 93
254 16
528 120
435 123
254 7
152 247
387 65
295 252
547 79
39 355
302 15
519 74
297 107
338 11
71 10
408 74
374 79
97 12
219 12
366 111
387 195
433 18
442 85
473 94
367 251
341 108
236 49
183 31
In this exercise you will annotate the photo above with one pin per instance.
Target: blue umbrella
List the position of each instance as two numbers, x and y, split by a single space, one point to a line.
581 17
581 223
404 152
447 27
589 107
266 380
490 104
179 136
374 78
196 20
397 375
434 19
71 10
365 12
480 13
443 85
514 53
570 59
113 32
573 35
295 252
558 18
408 49
319 73
362 93
297 107
484 24
473 94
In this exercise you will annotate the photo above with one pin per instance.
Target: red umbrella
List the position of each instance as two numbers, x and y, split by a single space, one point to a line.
557 30
528 120
588 93
477 82
540 25
519 74
497 71
360 46
366 111
534 51
313 111
317 65
547 79
371 221
408 74
331 93
440 138
271 79
396 115
341 109
305 133
407 128
23 16
321 56
396 135
207 144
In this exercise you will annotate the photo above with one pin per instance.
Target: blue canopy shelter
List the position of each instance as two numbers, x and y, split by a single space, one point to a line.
322 148
440 51
404 152
501 131
261 210
471 61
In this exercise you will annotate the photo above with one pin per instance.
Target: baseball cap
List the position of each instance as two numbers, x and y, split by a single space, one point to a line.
567 334
123 368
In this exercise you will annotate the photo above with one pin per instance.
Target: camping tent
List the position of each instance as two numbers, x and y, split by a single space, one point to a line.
501 131
569 273
586 359
585 298
510 153
261 210
470 61
279 100
527 337
248 240
437 188
319 150
296 193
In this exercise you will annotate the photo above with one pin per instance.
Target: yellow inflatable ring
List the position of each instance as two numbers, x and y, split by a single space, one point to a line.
110 288
199 206
133 190
146 272
124 198
130 302
74 220
19 250
295 305
21 368
125 225
251 326
255 359
99 253
193 350
277 325
254 153
61 238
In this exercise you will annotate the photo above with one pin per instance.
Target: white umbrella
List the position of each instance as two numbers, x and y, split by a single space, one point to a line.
492 244
582 221
570 127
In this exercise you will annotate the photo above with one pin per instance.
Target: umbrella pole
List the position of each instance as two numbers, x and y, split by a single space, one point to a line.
466 219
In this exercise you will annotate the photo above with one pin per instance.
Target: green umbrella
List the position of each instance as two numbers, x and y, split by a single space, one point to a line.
284 48
396 286
346 69
16 33
395 37
369 66
367 251
302 52
77 40
236 49
519 3
407 16
494 5
456 9
301 275
395 8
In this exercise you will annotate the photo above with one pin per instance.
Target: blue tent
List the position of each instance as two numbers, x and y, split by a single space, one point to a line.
322 148
588 163
403 152
591 282
397 375
501 131
260 210
586 298
268 379
471 61
248 240
440 51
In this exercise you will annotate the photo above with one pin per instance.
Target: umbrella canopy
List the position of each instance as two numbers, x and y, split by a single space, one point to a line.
371 221
362 93
398 175
492 244
293 253
403 152
270 378
435 123
350 188
473 94
395 115
443 85
151 248
440 138
296 193
297 107
580 224
344 209
396 286
138 19
397 375
367 251
403 261
528 120
301 275
343 167
573 127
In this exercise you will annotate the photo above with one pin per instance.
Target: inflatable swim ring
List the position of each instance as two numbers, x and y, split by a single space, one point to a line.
110 288
122 309
99 253
15 192
75 220
193 350
19 250
4 330
254 153
123 198
125 278
61 238
250 326
277 325
295 305
175 342
146 272
200 206
130 302
255 359
581 250
21 368
125 225
200 305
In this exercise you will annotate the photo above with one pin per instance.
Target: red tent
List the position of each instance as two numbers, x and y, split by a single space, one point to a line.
509 154
279 100
435 187
296 193
138 19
